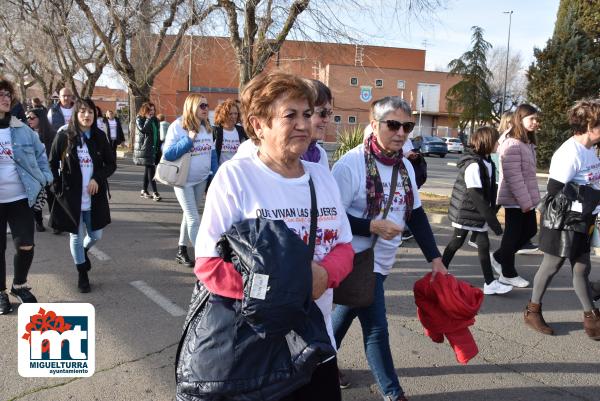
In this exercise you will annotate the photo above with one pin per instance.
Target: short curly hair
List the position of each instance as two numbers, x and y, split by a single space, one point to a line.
8 86
224 109
264 89
584 115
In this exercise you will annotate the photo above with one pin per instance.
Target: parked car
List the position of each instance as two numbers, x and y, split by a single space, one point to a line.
454 144
428 145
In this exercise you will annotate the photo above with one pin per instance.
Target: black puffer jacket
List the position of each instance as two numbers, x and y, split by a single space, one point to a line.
146 151
465 205
266 345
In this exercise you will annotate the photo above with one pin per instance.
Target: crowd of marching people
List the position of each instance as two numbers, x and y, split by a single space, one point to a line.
262 160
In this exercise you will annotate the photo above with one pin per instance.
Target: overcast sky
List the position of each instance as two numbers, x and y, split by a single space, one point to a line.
447 35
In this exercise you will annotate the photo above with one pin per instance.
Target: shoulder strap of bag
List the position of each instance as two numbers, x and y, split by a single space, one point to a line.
388 205
313 217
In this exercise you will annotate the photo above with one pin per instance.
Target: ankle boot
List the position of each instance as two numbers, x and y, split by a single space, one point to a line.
87 259
535 320
83 283
591 324
182 257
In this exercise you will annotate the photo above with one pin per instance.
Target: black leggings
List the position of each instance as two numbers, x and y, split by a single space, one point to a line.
149 177
551 264
19 217
483 250
519 228
324 385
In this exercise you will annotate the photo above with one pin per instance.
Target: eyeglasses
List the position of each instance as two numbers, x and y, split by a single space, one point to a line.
6 95
203 106
394 125
31 117
324 113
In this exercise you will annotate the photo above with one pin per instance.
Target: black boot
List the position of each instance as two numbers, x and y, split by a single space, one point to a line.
182 257
87 259
83 283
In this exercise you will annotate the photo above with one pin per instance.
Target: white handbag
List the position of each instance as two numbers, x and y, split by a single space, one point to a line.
173 173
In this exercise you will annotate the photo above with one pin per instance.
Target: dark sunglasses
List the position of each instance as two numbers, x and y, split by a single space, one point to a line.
394 125
31 117
203 106
324 113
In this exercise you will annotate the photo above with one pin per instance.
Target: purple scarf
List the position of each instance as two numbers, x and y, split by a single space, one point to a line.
373 153
312 154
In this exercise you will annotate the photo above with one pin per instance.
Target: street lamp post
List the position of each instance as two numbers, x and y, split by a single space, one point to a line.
507 52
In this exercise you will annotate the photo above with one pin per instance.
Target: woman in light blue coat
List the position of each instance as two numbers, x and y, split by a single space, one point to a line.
24 171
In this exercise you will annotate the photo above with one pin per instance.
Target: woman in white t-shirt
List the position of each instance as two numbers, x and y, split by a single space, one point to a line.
190 134
227 134
274 184
575 162
81 161
319 122
364 177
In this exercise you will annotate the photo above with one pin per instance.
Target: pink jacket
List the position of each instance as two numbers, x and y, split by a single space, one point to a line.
518 183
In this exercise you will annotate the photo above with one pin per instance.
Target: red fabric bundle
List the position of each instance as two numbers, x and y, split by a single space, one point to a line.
447 307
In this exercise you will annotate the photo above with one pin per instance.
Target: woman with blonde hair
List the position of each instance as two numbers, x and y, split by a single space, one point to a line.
190 133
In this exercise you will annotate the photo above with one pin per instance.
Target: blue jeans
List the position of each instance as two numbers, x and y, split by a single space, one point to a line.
80 240
373 322
189 198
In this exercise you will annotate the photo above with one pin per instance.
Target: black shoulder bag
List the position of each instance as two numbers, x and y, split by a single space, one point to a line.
357 290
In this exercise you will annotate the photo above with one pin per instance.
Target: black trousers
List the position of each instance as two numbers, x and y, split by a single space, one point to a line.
483 251
324 385
149 178
19 216
519 228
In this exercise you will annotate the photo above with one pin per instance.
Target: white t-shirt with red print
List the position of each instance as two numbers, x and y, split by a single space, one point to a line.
87 169
246 188
351 176
11 186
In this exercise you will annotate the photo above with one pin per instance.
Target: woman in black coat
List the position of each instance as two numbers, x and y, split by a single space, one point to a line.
114 130
146 149
38 121
81 161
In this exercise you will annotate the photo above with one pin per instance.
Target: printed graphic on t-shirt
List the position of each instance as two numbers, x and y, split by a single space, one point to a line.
230 146
202 146
591 174
87 168
298 220
6 152
399 201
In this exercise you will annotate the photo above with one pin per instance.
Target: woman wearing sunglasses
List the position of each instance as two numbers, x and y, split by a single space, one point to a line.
147 147
190 133
37 121
319 122
364 176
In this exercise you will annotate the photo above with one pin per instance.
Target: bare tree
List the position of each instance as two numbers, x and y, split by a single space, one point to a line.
258 28
516 81
142 48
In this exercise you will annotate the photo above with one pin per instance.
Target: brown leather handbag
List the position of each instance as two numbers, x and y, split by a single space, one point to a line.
358 288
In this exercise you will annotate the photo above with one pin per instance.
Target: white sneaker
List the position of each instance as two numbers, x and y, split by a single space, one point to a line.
514 281
496 265
496 287
471 243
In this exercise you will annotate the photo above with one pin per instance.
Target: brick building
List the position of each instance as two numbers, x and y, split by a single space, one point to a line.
356 75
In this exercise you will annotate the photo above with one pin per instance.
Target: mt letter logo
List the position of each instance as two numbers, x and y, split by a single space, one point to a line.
57 340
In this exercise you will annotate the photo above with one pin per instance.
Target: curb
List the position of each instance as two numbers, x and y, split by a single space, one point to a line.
541 175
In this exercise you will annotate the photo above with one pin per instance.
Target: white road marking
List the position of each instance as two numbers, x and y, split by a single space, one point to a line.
165 303
451 164
98 254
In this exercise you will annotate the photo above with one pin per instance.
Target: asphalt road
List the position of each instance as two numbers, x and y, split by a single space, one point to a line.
441 173
137 338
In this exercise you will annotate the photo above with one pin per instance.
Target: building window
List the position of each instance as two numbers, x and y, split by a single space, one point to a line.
379 83
351 119
337 119
353 81
401 84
